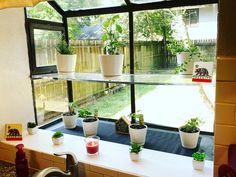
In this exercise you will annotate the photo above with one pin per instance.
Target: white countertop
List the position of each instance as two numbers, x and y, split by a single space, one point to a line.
116 157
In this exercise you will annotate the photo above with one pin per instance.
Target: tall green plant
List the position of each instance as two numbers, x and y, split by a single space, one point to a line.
111 36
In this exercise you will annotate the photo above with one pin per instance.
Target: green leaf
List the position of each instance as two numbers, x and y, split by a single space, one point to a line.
118 28
104 37
106 24
115 17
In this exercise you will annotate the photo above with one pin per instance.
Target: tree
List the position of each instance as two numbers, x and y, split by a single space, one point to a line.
75 25
155 26
44 11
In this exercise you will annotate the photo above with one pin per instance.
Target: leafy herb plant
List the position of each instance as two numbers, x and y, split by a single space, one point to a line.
84 112
136 148
199 156
192 125
57 134
111 36
31 125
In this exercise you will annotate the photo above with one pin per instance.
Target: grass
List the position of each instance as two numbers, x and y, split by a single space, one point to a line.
113 103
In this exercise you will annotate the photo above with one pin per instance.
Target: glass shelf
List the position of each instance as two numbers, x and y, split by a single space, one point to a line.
150 79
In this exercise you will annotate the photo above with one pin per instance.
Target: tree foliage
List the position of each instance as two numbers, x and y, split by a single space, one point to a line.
76 24
149 25
44 11
154 25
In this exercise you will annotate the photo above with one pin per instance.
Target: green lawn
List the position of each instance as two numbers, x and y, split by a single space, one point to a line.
111 104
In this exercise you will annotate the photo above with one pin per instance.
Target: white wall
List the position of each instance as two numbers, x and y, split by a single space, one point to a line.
16 102
207 27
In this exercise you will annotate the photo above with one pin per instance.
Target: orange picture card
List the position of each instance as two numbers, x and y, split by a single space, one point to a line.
13 132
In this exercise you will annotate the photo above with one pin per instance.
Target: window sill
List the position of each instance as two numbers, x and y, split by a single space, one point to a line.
116 157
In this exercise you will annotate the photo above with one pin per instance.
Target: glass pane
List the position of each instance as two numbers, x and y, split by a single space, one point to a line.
160 35
45 42
172 105
111 100
88 4
43 11
51 99
85 36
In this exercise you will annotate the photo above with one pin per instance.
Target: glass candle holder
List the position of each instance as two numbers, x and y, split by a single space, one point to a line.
92 145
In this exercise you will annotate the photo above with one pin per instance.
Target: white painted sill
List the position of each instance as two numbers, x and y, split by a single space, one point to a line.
116 157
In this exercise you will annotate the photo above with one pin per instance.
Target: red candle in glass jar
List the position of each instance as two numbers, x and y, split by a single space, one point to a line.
92 145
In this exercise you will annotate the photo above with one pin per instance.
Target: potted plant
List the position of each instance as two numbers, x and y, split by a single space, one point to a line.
66 59
198 160
138 129
89 122
32 128
135 150
111 62
186 54
57 138
189 133
70 118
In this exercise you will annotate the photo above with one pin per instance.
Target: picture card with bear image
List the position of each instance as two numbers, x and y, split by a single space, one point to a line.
13 132
202 72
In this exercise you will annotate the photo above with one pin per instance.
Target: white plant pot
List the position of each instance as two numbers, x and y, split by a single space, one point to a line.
189 140
70 122
58 141
198 165
32 131
134 156
181 57
90 128
138 136
111 65
66 63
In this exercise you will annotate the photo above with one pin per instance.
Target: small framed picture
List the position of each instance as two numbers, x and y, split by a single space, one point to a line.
202 72
13 132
